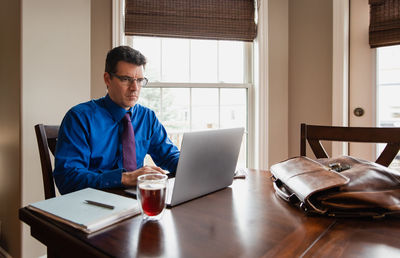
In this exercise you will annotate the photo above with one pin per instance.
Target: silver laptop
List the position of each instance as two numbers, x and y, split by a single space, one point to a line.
206 164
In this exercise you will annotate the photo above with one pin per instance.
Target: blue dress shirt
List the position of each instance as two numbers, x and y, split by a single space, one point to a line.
89 148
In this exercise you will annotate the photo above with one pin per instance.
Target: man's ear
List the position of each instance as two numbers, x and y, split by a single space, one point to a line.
107 79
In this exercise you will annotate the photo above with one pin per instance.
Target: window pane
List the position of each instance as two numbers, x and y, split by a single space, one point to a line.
204 108
389 105
231 61
175 60
388 92
388 64
203 61
176 110
151 98
184 60
176 113
151 49
233 108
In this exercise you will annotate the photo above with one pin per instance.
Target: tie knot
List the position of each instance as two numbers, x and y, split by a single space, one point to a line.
127 116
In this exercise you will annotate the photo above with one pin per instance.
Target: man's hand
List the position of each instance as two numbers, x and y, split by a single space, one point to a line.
130 178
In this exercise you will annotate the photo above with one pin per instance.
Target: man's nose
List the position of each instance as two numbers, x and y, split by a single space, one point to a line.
134 85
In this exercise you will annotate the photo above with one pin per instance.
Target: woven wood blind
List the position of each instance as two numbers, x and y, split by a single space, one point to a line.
201 19
384 27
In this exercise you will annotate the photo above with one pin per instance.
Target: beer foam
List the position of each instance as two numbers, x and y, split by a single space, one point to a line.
152 186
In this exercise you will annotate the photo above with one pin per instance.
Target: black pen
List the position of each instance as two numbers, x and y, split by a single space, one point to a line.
100 204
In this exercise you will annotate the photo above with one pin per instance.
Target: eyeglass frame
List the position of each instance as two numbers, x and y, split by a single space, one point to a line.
130 80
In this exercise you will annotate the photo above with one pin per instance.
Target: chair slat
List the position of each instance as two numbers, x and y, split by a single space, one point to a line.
46 136
388 154
318 149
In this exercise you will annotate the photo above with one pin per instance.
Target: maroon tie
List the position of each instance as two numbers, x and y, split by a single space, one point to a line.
128 144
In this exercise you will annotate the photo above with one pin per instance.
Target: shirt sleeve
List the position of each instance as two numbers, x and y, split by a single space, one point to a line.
72 158
163 152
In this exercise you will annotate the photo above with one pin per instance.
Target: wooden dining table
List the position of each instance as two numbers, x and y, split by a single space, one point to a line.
245 219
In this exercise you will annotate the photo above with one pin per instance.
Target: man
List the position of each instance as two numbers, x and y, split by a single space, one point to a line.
92 149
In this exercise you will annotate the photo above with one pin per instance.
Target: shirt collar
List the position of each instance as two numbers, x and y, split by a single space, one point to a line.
115 110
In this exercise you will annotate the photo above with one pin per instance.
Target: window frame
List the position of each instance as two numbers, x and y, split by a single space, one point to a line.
118 38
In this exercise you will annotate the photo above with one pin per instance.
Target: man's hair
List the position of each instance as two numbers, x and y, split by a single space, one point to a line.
126 54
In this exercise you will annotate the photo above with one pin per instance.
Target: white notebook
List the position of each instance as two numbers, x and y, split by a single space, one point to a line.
72 209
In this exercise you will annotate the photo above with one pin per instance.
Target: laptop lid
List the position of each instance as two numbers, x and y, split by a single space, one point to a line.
206 164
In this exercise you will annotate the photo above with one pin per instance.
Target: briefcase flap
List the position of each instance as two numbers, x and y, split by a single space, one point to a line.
303 177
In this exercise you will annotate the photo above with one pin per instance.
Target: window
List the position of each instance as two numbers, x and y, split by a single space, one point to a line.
197 84
388 91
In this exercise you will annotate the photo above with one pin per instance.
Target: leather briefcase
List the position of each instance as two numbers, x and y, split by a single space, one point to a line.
343 187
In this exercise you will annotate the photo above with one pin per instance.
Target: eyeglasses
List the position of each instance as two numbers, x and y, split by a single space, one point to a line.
127 80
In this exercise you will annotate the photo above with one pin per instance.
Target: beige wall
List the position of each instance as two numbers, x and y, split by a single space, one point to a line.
101 42
310 67
56 76
278 70
62 48
10 125
299 72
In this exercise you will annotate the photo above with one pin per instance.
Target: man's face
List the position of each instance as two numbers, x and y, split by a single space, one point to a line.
122 92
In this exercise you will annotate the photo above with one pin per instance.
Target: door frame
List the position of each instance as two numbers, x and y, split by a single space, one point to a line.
340 70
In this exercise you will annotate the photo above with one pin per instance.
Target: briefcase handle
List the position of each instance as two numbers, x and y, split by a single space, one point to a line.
283 193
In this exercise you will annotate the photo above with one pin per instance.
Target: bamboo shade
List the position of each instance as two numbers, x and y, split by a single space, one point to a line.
201 19
384 28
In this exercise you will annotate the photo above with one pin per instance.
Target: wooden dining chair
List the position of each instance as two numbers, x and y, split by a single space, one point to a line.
314 134
46 136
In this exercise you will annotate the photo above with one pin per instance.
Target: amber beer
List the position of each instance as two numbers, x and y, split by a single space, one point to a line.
152 198
152 191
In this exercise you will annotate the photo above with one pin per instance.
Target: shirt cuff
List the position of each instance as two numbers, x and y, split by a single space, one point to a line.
111 178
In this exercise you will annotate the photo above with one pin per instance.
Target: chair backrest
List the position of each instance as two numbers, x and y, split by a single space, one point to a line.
315 133
46 136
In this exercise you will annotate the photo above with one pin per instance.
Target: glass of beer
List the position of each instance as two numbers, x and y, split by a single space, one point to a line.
152 194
